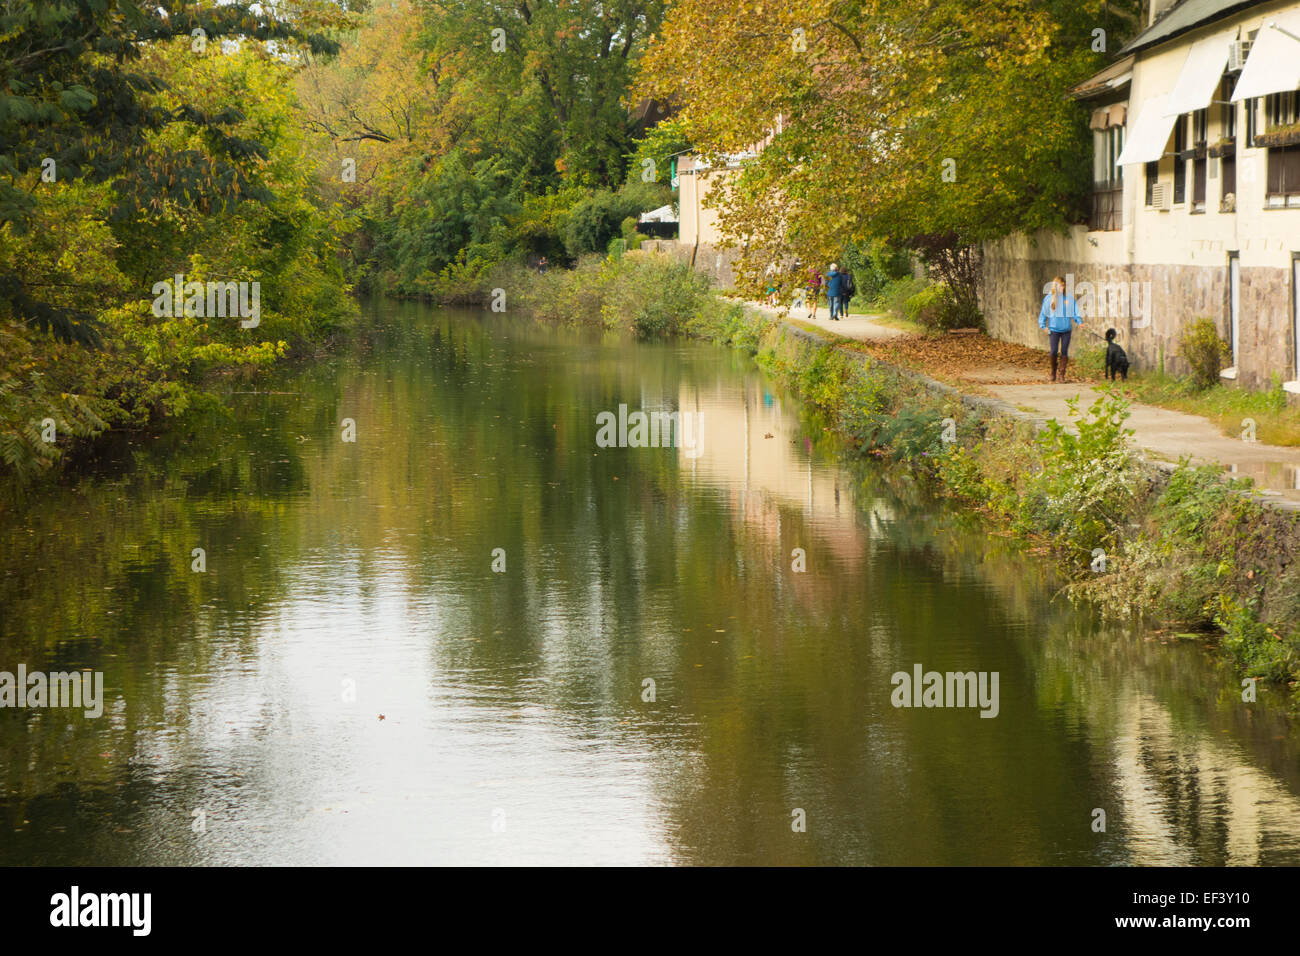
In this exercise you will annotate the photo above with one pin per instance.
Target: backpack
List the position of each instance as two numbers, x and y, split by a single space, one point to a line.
847 288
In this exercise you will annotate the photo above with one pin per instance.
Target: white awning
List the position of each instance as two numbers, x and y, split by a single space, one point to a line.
1273 65
1145 140
1202 70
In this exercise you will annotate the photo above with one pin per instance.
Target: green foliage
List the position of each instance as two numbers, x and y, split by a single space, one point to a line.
964 132
933 308
594 221
1204 351
1083 491
912 432
729 323
506 154
96 248
81 84
1259 648
661 144
649 295
874 265
631 238
895 294
654 297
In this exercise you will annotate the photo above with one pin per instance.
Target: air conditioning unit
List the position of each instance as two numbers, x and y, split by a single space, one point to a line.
1162 196
1238 50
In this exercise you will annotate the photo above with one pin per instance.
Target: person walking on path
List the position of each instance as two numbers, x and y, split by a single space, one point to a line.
814 290
834 290
1059 315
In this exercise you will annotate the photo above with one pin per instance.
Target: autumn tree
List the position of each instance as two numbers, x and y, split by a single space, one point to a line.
933 125
75 101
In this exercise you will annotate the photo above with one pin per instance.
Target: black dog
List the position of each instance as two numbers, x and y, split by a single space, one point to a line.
1116 358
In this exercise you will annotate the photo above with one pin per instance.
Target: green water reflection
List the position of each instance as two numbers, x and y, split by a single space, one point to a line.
514 728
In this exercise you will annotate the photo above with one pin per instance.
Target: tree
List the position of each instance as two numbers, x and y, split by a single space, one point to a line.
73 93
935 125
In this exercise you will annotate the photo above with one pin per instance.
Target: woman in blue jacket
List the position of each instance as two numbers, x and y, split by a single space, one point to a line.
1059 315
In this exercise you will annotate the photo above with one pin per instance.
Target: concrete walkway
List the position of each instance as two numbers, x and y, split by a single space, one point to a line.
1160 434
1166 435
864 328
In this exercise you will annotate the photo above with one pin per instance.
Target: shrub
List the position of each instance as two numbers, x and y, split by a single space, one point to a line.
893 297
937 310
593 222
1203 350
653 296
1084 491
913 432
874 265
630 235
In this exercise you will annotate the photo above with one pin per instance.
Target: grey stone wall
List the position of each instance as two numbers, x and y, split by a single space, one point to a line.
1267 336
1012 293
713 261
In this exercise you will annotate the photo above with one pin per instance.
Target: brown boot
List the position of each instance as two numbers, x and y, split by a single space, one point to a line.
1053 368
1065 363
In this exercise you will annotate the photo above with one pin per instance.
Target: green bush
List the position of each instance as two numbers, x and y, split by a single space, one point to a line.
594 221
726 323
631 237
652 296
893 297
874 265
937 310
1204 351
913 432
1084 491
933 308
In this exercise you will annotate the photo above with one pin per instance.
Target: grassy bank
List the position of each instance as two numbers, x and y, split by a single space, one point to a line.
1188 550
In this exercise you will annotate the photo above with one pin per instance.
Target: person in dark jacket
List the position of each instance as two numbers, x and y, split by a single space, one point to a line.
835 290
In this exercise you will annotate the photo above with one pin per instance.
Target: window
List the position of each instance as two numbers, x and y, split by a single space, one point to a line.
1227 153
1280 109
1107 180
1252 105
1106 147
1153 177
1198 184
1180 163
1228 114
1200 130
1228 184
1283 177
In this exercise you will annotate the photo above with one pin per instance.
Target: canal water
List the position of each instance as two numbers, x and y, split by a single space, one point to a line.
475 635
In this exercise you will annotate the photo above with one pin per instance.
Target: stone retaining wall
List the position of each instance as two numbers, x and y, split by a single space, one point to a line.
1012 293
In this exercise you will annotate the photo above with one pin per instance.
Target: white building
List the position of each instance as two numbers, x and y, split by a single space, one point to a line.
1196 133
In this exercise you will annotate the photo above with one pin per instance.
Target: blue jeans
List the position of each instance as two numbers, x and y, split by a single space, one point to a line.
837 305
